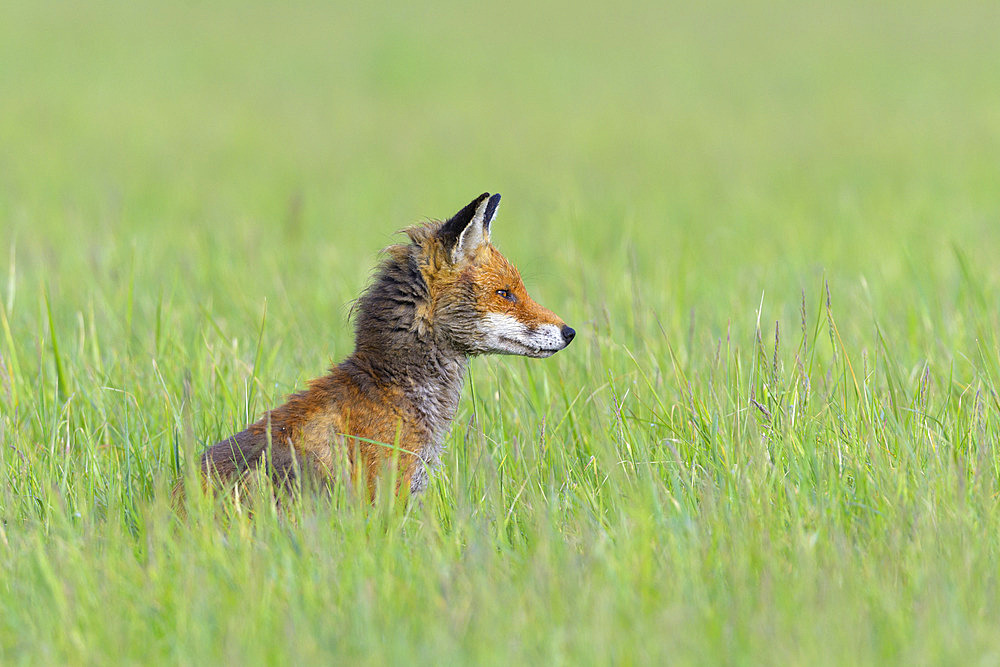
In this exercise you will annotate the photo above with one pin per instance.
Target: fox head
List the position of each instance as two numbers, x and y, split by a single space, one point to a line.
451 286
477 297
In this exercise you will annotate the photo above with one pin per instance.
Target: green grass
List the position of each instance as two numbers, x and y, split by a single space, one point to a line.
774 226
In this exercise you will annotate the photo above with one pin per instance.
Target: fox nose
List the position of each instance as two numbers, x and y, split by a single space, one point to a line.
568 333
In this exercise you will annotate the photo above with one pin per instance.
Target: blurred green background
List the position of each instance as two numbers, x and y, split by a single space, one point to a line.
761 142
679 179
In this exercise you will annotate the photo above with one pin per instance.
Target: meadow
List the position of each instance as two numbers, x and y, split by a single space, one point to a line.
774 226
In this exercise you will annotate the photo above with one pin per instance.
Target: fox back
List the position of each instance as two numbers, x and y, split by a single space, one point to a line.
446 295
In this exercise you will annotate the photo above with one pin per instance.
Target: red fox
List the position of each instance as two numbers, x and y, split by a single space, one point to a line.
434 302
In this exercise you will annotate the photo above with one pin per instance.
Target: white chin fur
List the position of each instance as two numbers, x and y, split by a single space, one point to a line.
505 334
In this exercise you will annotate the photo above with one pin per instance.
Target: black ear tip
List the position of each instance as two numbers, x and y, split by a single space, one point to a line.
491 208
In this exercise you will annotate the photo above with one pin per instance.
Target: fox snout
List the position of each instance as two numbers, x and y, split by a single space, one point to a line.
506 334
566 336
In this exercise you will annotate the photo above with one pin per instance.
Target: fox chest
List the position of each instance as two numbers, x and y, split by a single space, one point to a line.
417 428
434 410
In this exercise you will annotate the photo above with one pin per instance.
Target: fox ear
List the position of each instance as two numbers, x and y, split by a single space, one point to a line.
467 230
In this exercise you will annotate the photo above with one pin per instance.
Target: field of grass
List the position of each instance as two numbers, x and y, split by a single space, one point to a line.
775 227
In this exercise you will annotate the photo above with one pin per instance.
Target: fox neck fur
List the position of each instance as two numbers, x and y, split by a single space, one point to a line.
398 348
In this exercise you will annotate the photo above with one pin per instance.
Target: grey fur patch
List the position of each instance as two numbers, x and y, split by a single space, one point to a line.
419 480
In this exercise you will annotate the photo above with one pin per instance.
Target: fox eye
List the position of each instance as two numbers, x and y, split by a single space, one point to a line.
506 294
